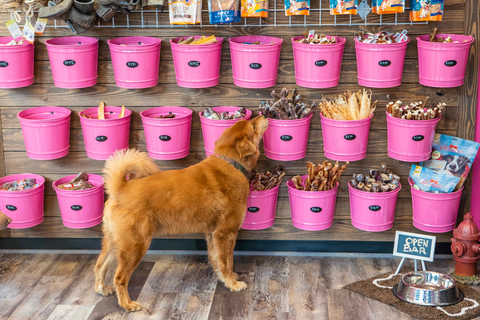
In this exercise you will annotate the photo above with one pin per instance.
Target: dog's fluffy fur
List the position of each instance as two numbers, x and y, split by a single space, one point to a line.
209 197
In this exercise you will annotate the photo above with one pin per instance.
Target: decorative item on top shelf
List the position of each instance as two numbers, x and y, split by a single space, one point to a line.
346 125
289 119
313 196
442 59
380 58
373 199
16 63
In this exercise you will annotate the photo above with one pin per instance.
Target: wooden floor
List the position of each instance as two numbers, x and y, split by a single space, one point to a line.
177 287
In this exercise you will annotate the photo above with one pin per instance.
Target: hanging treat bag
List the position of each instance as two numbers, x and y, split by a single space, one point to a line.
432 181
297 7
254 8
390 6
426 10
343 7
224 11
374 6
185 11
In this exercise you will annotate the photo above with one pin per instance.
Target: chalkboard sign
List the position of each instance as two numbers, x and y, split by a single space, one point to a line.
414 246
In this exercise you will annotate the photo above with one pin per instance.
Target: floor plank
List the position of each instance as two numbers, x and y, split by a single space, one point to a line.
72 312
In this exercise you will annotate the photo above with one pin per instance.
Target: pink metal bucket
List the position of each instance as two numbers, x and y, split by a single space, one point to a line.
197 66
81 208
104 137
255 66
373 211
16 64
442 65
318 66
74 61
410 140
311 210
261 209
213 129
136 61
167 139
46 132
286 140
436 213
380 65
345 140
24 207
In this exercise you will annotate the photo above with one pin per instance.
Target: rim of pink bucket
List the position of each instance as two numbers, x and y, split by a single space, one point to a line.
38 179
424 40
263 193
95 179
380 45
374 195
347 123
5 40
230 121
310 194
422 194
237 42
71 42
132 42
94 110
411 123
289 123
173 42
180 113
62 113
340 42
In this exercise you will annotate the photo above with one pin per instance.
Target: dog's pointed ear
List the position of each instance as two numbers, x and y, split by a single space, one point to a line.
245 147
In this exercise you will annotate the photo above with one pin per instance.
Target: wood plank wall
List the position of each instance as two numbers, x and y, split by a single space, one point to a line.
44 93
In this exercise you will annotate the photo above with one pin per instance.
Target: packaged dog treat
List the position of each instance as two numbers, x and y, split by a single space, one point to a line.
343 7
254 8
321 177
315 38
376 180
19 185
382 37
184 12
224 11
390 6
432 181
426 10
80 182
284 108
297 7
209 113
421 110
349 106
266 181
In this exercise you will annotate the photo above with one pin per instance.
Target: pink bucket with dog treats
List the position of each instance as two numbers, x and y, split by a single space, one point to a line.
46 132
261 209
380 65
442 65
373 211
16 64
212 129
25 207
435 212
311 210
286 140
255 66
345 140
74 61
81 208
318 66
136 61
410 140
197 66
167 139
103 137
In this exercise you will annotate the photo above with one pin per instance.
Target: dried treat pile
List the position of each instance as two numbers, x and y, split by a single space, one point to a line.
382 37
435 38
284 108
170 115
101 112
375 180
80 182
416 110
312 38
201 40
321 177
349 106
209 113
258 43
13 43
19 185
265 181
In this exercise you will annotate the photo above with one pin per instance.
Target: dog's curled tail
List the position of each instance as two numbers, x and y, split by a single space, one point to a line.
123 163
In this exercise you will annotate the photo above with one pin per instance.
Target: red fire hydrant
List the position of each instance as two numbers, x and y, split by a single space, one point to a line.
465 247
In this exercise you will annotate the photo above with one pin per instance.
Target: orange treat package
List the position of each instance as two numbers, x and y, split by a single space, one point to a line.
254 8
426 10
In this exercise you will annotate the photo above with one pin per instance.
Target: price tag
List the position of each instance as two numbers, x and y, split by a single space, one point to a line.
29 32
14 29
40 26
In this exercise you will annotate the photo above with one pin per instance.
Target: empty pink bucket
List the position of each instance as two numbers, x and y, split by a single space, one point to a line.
410 140
436 213
318 66
46 132
16 64
81 208
442 65
25 208
167 139
255 66
261 209
197 66
373 211
311 210
213 129
345 140
380 65
136 61
74 61
103 137
286 140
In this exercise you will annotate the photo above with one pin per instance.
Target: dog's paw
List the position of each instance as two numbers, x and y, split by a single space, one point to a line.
238 286
236 276
132 306
105 291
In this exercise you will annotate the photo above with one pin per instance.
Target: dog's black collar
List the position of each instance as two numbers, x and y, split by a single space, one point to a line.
237 166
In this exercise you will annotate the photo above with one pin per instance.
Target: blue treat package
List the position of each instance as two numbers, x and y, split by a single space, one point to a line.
432 181
224 11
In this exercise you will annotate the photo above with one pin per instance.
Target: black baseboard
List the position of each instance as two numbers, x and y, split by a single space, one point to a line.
192 244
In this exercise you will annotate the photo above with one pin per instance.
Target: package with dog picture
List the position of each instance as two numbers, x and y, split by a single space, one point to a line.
297 7
224 11
388 6
426 10
343 7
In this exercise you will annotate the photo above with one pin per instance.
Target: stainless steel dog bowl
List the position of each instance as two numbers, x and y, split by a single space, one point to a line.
427 288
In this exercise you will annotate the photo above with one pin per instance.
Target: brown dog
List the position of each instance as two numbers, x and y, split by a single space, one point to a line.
209 197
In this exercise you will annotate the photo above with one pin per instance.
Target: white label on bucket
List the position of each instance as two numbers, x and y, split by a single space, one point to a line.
14 29
40 26
29 32
414 246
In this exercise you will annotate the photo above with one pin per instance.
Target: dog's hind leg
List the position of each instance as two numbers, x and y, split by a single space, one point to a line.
104 260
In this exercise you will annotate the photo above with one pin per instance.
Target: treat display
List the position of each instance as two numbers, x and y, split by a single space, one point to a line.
266 181
19 185
382 37
349 106
254 8
432 181
101 112
426 10
201 40
312 38
80 182
185 12
170 115
297 7
321 177
376 180
224 11
284 108
421 110
209 113
343 7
